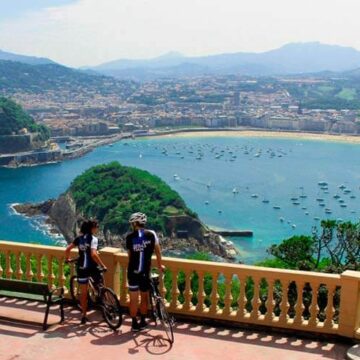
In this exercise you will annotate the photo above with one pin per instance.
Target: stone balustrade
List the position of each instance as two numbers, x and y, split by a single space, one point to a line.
287 299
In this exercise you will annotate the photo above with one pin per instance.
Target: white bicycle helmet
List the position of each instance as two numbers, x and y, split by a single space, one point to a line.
139 218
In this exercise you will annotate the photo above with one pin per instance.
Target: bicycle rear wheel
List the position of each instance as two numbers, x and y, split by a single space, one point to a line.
166 319
111 308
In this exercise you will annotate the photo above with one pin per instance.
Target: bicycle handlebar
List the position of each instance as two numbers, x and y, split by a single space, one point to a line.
71 260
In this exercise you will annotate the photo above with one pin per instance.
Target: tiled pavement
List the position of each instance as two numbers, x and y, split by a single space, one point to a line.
25 340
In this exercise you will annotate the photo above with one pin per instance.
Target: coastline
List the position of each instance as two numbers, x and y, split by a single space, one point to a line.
197 133
246 133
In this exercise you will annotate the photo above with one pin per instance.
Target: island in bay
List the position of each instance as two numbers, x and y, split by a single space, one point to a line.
111 193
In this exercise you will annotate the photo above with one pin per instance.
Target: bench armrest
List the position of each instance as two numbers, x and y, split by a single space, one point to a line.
60 290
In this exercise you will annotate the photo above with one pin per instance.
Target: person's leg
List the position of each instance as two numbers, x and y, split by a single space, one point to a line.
144 294
134 302
83 300
144 304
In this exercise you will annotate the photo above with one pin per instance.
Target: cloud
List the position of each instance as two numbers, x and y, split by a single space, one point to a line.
92 31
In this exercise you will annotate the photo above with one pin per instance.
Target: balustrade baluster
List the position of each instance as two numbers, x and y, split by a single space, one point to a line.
28 271
18 269
228 297
214 294
174 290
187 291
255 300
201 293
284 306
242 300
314 309
8 268
39 269
51 276
162 288
1 269
61 275
299 307
270 303
329 322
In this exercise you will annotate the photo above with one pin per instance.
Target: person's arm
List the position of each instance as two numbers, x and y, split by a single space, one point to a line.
68 250
160 266
94 254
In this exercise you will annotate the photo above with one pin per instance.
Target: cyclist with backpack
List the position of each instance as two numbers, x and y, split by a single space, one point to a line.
88 261
141 243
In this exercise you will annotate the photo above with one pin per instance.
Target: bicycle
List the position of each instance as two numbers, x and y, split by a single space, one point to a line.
99 296
158 308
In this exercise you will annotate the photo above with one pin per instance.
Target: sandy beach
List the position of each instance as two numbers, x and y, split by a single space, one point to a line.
270 134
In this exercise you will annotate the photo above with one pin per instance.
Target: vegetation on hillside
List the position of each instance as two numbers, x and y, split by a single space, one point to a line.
112 192
335 247
15 76
13 118
340 93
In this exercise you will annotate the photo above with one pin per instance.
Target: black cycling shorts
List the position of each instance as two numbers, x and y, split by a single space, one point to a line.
83 275
138 281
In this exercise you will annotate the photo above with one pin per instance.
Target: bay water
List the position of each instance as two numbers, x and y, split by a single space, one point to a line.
276 187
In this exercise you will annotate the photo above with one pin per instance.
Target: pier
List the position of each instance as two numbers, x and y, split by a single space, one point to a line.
239 233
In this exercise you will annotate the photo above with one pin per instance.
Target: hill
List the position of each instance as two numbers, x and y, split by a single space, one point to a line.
289 59
16 76
13 119
112 192
31 60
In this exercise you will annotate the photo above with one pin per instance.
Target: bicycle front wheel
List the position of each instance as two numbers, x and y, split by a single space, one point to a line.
166 319
111 308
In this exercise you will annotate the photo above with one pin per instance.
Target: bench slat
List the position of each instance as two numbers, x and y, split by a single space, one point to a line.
20 295
27 287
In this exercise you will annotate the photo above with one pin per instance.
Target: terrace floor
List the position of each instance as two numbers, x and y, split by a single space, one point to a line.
22 340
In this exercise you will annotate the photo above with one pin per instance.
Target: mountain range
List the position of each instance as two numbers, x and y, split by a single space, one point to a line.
294 58
31 60
18 76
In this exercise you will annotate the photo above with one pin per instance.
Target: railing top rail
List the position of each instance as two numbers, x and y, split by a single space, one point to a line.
30 248
229 268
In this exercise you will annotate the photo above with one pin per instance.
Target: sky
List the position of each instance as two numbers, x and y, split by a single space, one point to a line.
89 32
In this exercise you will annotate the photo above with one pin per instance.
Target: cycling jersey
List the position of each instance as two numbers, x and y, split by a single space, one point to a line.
86 266
140 244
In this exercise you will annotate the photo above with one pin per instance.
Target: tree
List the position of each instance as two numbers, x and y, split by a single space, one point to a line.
334 247
296 252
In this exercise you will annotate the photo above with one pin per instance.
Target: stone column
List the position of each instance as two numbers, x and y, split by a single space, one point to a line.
349 303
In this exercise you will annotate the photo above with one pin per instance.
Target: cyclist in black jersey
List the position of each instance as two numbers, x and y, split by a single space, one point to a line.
141 244
88 260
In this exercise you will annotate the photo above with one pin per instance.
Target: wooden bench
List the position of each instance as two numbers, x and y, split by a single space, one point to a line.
34 291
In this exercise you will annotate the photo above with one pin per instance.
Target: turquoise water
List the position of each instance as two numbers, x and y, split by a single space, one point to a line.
219 178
